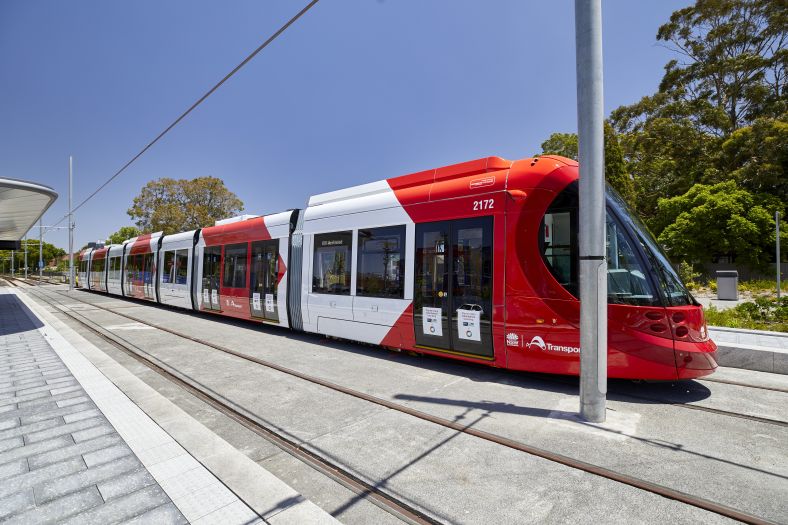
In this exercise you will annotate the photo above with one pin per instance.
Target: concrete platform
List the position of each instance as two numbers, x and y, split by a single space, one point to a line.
717 453
74 448
751 349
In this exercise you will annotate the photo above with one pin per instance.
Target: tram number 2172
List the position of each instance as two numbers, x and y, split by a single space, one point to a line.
484 204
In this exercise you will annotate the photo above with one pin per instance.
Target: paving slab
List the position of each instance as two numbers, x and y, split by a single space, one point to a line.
147 458
45 459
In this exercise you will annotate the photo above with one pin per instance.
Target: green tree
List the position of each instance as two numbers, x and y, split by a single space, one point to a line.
171 205
615 168
732 68
123 234
719 219
731 73
759 156
566 145
50 252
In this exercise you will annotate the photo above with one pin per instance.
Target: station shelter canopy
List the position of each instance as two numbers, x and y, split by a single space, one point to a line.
22 203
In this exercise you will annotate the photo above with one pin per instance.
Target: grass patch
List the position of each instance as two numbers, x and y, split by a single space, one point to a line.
764 313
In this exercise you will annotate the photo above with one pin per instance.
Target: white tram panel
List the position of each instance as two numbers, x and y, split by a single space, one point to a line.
278 226
360 318
115 269
175 269
84 269
147 288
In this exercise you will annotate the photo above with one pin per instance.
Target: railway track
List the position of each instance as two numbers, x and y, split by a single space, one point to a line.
337 472
747 385
331 469
555 379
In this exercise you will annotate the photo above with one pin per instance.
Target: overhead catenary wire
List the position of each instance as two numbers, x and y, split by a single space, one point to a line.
199 101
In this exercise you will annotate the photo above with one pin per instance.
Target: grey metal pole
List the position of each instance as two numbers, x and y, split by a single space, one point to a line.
777 243
40 250
593 267
25 257
13 254
70 229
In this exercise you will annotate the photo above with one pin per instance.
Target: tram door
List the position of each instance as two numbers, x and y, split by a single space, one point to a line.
149 277
210 277
453 288
265 271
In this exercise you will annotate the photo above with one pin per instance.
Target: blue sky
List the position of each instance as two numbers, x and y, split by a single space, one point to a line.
355 91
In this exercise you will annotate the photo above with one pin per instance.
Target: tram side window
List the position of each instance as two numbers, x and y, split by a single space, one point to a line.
114 268
181 266
148 268
627 281
97 265
332 263
381 262
559 247
234 274
131 268
168 272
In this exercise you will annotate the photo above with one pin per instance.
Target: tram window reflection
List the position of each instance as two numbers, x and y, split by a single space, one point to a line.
234 275
381 262
627 282
332 263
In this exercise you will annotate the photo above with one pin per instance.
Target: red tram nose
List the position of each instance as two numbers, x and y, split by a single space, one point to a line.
696 354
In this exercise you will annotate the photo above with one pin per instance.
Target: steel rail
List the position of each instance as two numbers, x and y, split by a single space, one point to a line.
700 408
747 385
361 488
655 488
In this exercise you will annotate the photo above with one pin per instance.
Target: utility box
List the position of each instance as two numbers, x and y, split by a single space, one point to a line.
728 285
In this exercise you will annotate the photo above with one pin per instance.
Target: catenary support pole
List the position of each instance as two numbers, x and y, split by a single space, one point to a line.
593 267
25 257
777 249
13 254
40 250
70 229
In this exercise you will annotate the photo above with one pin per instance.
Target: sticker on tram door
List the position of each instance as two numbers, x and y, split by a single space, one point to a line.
269 302
205 296
256 301
214 297
431 321
468 322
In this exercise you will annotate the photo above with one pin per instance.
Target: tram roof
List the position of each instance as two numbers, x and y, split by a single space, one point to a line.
22 203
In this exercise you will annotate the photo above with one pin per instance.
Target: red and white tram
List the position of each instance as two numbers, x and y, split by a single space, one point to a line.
476 261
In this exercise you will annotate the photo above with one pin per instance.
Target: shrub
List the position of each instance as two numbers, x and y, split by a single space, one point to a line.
765 313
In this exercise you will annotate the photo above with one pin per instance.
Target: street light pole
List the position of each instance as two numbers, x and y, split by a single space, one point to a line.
70 229
593 267
777 243
40 250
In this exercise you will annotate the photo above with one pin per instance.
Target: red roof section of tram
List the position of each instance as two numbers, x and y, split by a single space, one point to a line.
100 253
455 180
141 244
235 232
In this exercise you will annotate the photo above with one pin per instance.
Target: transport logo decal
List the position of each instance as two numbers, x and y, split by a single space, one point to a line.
512 339
538 341
549 347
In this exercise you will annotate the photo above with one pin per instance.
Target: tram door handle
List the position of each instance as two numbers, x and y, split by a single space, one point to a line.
374 308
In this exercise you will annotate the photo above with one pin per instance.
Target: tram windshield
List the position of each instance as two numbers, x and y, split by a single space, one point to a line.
635 260
674 290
